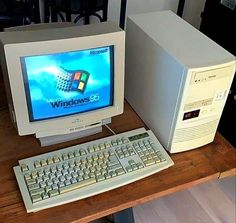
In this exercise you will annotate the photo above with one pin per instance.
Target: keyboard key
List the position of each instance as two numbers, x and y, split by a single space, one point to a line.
76 153
33 187
114 167
27 176
129 169
45 195
37 164
71 155
43 162
120 171
30 181
149 162
50 160
37 191
36 198
53 193
24 167
100 178
56 159
65 156
77 185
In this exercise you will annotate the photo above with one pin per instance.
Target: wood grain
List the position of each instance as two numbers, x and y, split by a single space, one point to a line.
191 168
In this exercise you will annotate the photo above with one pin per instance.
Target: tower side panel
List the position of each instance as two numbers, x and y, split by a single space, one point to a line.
153 82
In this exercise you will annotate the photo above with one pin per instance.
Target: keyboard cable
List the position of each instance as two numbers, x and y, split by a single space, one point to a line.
113 132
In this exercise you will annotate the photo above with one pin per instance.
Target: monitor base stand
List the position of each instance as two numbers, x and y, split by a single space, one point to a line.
50 140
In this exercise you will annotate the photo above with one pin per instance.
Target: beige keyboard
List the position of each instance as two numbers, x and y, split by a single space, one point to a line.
84 170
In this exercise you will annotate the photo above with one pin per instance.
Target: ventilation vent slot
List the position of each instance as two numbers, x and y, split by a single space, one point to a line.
195 132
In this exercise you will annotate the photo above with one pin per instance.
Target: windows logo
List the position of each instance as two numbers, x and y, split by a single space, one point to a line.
72 80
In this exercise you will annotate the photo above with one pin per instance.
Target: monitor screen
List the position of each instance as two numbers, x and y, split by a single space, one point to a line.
62 84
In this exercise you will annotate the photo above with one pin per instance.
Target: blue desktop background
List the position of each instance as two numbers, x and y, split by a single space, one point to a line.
46 101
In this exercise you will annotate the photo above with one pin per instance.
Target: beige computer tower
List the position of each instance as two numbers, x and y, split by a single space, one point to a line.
177 79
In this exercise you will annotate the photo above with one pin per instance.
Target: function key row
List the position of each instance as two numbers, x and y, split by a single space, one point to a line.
57 158
45 162
75 153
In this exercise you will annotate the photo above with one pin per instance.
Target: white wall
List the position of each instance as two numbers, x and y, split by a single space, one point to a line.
192 9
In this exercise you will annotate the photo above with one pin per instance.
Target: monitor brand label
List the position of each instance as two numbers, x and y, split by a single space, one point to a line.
98 51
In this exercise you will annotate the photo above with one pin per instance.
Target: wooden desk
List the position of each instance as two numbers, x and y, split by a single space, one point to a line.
215 160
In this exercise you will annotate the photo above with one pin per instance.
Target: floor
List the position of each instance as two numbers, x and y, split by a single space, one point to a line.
211 202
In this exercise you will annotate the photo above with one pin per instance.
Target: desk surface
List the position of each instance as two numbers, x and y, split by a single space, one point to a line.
214 160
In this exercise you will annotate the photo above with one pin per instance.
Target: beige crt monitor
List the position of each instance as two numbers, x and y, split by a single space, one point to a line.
63 82
177 79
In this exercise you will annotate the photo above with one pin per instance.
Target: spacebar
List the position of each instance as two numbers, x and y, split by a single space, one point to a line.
78 185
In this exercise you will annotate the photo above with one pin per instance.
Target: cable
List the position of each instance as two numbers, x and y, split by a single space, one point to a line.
110 129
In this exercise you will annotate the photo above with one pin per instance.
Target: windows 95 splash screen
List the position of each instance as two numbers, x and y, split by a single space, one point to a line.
68 83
